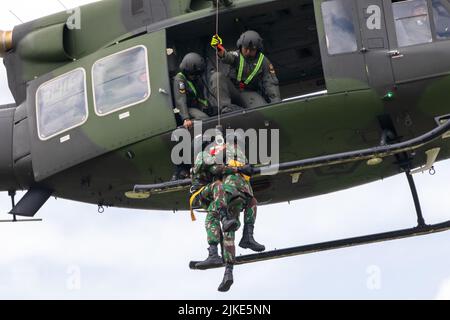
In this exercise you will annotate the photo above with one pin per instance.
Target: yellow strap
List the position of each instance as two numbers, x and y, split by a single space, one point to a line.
237 164
234 163
191 202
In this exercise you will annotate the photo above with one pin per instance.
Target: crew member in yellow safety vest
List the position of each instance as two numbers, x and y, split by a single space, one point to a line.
252 81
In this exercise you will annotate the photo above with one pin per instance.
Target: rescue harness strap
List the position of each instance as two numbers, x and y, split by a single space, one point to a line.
191 201
237 164
232 163
204 102
253 74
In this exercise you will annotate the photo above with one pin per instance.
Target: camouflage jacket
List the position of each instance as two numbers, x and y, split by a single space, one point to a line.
236 180
206 170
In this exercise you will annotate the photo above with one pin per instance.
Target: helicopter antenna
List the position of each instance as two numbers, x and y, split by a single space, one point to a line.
217 68
62 4
15 15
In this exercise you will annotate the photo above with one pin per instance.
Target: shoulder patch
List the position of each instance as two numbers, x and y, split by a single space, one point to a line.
235 53
272 69
182 87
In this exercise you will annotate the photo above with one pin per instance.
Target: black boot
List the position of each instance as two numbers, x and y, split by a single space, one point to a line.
248 242
227 281
213 260
229 225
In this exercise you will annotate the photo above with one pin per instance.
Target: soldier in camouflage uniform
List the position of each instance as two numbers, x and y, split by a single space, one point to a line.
252 81
239 196
207 189
241 182
235 194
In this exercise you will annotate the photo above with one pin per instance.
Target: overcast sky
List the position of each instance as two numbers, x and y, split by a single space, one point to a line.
77 253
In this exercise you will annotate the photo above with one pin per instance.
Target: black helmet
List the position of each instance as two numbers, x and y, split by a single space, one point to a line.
250 39
193 64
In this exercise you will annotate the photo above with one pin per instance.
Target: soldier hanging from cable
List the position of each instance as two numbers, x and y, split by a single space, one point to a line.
207 192
235 194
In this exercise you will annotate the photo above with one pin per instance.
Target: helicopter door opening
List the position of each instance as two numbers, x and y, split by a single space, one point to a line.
290 38
375 43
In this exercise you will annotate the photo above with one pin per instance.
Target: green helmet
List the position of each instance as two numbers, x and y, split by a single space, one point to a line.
193 64
250 39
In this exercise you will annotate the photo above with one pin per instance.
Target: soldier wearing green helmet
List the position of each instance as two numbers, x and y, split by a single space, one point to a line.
252 81
189 90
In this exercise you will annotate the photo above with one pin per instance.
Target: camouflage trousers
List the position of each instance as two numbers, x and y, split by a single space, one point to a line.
212 198
214 231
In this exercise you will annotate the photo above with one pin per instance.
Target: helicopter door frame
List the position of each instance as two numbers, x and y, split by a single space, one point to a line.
344 67
375 43
107 132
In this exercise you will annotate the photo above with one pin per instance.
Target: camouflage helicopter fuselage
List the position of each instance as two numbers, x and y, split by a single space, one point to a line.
377 87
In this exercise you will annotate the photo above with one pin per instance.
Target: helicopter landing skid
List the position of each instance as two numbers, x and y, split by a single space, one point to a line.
420 230
38 197
21 220
333 245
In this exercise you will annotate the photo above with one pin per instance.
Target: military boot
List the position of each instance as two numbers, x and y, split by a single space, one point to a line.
213 260
248 242
228 224
227 281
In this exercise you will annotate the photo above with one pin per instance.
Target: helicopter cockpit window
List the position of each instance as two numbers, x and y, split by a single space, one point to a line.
339 26
412 22
441 15
121 80
61 104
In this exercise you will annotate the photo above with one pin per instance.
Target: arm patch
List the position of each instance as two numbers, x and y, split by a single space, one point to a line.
272 69
182 87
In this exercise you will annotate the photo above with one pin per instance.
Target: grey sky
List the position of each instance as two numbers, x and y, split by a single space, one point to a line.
78 253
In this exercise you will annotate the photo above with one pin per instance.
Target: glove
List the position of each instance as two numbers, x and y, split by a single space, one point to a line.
246 170
216 41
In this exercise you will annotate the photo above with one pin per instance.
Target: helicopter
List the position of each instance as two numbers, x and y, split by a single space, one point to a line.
363 84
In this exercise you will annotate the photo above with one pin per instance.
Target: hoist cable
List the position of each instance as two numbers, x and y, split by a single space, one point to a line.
217 68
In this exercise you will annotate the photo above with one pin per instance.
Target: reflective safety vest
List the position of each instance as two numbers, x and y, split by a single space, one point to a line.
204 102
250 78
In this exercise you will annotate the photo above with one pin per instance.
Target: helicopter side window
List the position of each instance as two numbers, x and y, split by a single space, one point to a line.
412 22
121 80
441 16
61 104
339 26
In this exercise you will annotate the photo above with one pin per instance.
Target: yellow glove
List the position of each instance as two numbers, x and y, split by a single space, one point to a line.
216 41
